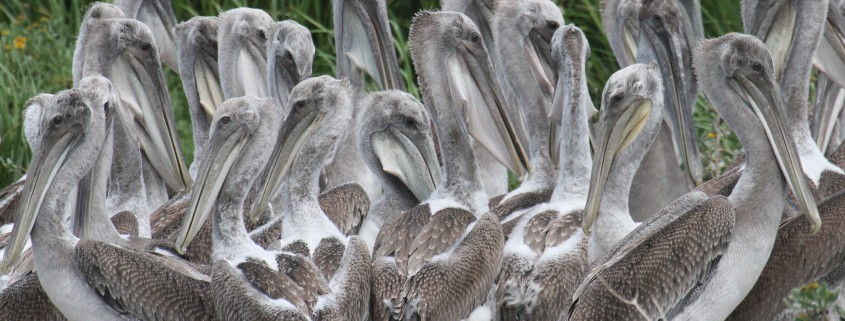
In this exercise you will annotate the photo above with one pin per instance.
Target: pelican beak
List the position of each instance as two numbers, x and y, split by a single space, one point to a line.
85 206
473 86
776 26
412 161
664 42
571 91
764 100
830 55
287 66
364 38
829 104
630 32
251 69
295 131
161 20
540 61
212 174
617 132
144 96
207 80
47 160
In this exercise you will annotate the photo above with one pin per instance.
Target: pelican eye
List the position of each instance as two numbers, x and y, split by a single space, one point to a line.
474 37
552 25
289 56
95 15
225 120
616 99
56 121
410 122
756 66
262 35
299 104
146 46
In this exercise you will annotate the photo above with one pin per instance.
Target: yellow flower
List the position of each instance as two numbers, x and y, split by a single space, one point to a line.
711 135
5 32
810 287
20 42
19 19
43 19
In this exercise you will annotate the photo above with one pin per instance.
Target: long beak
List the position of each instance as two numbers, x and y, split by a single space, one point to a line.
295 130
629 42
411 161
830 55
45 164
617 133
210 180
365 40
830 101
778 25
207 78
85 201
281 78
474 87
143 93
765 101
668 46
251 71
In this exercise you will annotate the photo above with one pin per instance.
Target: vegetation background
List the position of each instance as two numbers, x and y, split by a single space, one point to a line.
37 39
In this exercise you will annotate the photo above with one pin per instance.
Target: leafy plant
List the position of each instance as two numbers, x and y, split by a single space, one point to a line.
814 301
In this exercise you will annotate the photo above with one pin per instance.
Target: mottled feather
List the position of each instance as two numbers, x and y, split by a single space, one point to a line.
25 300
346 206
443 230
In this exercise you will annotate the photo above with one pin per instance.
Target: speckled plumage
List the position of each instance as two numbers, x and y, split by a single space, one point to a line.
650 276
24 300
346 206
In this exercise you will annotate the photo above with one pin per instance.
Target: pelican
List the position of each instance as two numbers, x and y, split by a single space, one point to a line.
523 31
437 260
364 47
97 11
329 277
242 35
364 43
290 53
395 140
778 23
664 32
196 47
123 51
158 15
545 257
830 64
72 128
495 180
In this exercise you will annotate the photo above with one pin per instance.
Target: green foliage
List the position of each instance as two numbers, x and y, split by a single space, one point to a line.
814 301
50 29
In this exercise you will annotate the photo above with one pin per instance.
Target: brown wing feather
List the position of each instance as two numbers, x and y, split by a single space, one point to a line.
398 233
327 256
302 271
521 201
650 276
563 228
25 300
346 206
125 223
9 202
442 231
144 286
236 299
798 257
536 229
351 300
386 284
274 284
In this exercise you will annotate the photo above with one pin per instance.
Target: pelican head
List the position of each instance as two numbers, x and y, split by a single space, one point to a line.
237 148
395 136
365 44
290 54
242 35
449 44
738 74
630 115
622 26
71 129
666 37
319 110
123 50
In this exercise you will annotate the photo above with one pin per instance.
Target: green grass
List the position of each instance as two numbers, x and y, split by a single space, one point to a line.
50 28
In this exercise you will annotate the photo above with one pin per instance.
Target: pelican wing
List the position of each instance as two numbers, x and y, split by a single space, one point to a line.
146 284
327 256
125 223
521 201
9 201
303 272
647 278
274 284
26 298
397 235
350 285
236 299
441 233
346 206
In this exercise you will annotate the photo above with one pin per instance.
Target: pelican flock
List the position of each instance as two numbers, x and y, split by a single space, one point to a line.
345 197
